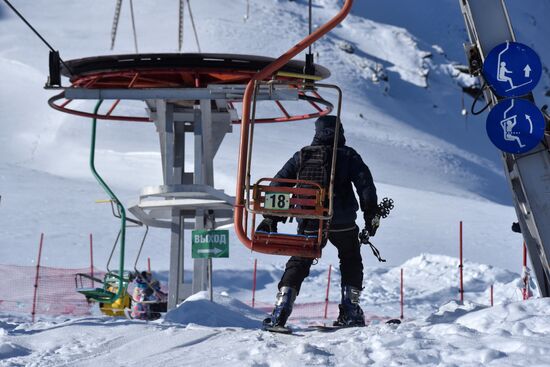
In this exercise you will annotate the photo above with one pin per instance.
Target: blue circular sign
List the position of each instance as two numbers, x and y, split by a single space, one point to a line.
512 69
515 126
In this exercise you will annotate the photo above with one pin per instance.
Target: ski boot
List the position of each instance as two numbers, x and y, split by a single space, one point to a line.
282 310
351 313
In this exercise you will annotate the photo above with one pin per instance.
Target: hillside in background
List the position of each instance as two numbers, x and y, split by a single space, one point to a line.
401 112
396 62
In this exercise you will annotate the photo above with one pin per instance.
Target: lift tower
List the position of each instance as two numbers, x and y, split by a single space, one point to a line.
185 95
488 25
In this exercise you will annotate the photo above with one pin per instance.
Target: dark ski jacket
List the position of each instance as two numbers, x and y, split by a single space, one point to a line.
350 168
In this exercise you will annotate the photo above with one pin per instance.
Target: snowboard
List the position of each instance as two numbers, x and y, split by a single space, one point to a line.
277 329
328 328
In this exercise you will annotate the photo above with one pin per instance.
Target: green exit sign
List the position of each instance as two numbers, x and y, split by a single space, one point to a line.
209 243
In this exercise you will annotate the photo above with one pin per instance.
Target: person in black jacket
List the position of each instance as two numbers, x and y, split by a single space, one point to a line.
343 232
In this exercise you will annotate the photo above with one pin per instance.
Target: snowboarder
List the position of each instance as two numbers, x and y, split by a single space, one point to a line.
343 231
146 294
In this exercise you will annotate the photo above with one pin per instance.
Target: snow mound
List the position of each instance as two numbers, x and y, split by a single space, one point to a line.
223 312
441 272
433 280
453 310
528 318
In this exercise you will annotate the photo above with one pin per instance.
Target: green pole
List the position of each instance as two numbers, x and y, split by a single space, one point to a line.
119 205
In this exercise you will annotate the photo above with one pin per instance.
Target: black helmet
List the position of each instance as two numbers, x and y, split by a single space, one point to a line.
327 122
325 127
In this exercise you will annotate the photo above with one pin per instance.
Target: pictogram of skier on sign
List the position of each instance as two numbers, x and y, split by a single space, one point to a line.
515 125
502 71
508 126
512 69
502 77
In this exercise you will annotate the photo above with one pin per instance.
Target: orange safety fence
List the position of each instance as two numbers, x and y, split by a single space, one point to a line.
56 294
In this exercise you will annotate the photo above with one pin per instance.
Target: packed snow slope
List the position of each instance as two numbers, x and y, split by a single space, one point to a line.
437 331
401 112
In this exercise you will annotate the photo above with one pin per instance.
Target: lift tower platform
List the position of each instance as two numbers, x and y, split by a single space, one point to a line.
185 94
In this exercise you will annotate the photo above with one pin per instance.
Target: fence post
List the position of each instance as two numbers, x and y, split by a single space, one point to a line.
525 274
149 265
36 276
461 267
328 287
254 283
402 295
92 259
492 298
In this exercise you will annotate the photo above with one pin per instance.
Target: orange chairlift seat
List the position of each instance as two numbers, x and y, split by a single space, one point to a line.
298 198
291 198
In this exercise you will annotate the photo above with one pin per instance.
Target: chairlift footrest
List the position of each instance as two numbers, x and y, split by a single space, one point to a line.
96 294
286 244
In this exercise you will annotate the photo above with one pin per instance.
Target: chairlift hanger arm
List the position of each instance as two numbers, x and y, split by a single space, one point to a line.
121 288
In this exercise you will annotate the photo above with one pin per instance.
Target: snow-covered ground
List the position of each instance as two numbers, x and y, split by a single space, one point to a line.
439 167
437 330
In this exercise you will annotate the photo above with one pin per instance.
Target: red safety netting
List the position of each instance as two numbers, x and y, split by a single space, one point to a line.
55 294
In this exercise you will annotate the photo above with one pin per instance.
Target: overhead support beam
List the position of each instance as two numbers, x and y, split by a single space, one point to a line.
175 94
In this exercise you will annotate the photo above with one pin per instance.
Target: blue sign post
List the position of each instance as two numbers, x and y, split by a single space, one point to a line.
512 69
515 126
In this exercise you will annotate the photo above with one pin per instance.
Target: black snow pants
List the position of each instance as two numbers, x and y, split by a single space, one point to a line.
349 252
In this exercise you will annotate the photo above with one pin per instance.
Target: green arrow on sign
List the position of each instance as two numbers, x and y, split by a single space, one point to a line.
210 243
215 251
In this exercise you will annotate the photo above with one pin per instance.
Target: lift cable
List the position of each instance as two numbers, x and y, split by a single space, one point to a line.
247 14
133 25
309 69
114 27
36 32
180 24
193 24
310 23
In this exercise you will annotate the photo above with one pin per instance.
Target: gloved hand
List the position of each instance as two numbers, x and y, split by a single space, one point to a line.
269 224
371 224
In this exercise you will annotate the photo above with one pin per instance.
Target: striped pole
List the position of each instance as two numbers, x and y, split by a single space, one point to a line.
92 259
328 288
254 283
461 266
525 274
402 295
36 276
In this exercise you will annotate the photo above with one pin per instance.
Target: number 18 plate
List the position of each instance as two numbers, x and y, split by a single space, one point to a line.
277 201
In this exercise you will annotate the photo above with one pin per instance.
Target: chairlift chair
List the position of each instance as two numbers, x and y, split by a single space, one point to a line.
113 279
291 198
313 206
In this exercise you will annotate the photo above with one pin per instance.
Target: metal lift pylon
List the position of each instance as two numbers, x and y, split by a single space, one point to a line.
488 25
186 195
187 95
